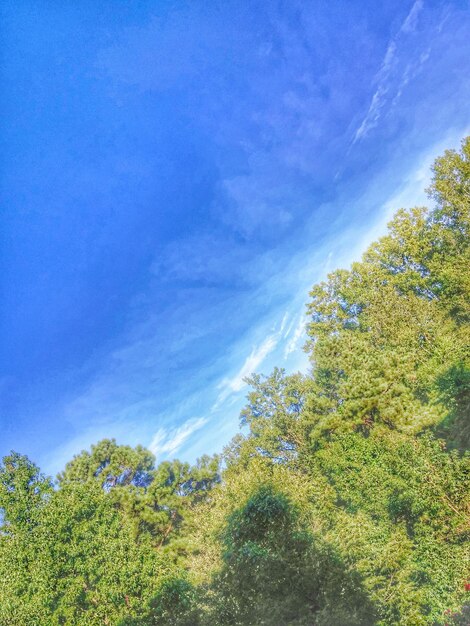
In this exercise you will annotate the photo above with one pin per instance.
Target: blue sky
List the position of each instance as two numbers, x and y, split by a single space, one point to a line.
174 177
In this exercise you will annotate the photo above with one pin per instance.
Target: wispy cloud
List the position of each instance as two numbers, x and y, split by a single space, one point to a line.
409 24
294 341
132 393
379 98
411 71
288 330
268 104
236 383
168 442
284 320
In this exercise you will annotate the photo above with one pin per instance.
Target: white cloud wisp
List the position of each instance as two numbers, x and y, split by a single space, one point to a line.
168 442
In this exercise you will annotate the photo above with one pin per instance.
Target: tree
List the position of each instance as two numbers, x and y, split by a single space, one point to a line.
77 563
23 492
386 335
111 465
345 502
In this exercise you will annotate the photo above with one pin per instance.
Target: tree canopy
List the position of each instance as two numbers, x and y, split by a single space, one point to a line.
345 499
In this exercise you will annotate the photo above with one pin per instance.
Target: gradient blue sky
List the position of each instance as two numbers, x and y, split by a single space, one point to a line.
174 177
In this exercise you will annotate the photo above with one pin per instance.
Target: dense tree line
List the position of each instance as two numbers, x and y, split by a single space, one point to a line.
344 501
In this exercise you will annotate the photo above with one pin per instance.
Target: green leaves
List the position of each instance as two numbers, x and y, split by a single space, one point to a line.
340 505
110 465
385 334
97 549
274 414
78 564
23 492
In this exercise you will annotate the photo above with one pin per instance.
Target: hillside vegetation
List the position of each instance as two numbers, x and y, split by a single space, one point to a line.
345 502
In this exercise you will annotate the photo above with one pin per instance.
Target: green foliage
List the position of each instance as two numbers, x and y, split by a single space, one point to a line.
388 334
176 603
275 414
23 492
345 503
98 549
401 517
275 571
155 500
111 465
78 563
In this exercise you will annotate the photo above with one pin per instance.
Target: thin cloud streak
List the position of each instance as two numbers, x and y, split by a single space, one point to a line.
308 266
233 146
294 341
380 96
168 442
252 362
